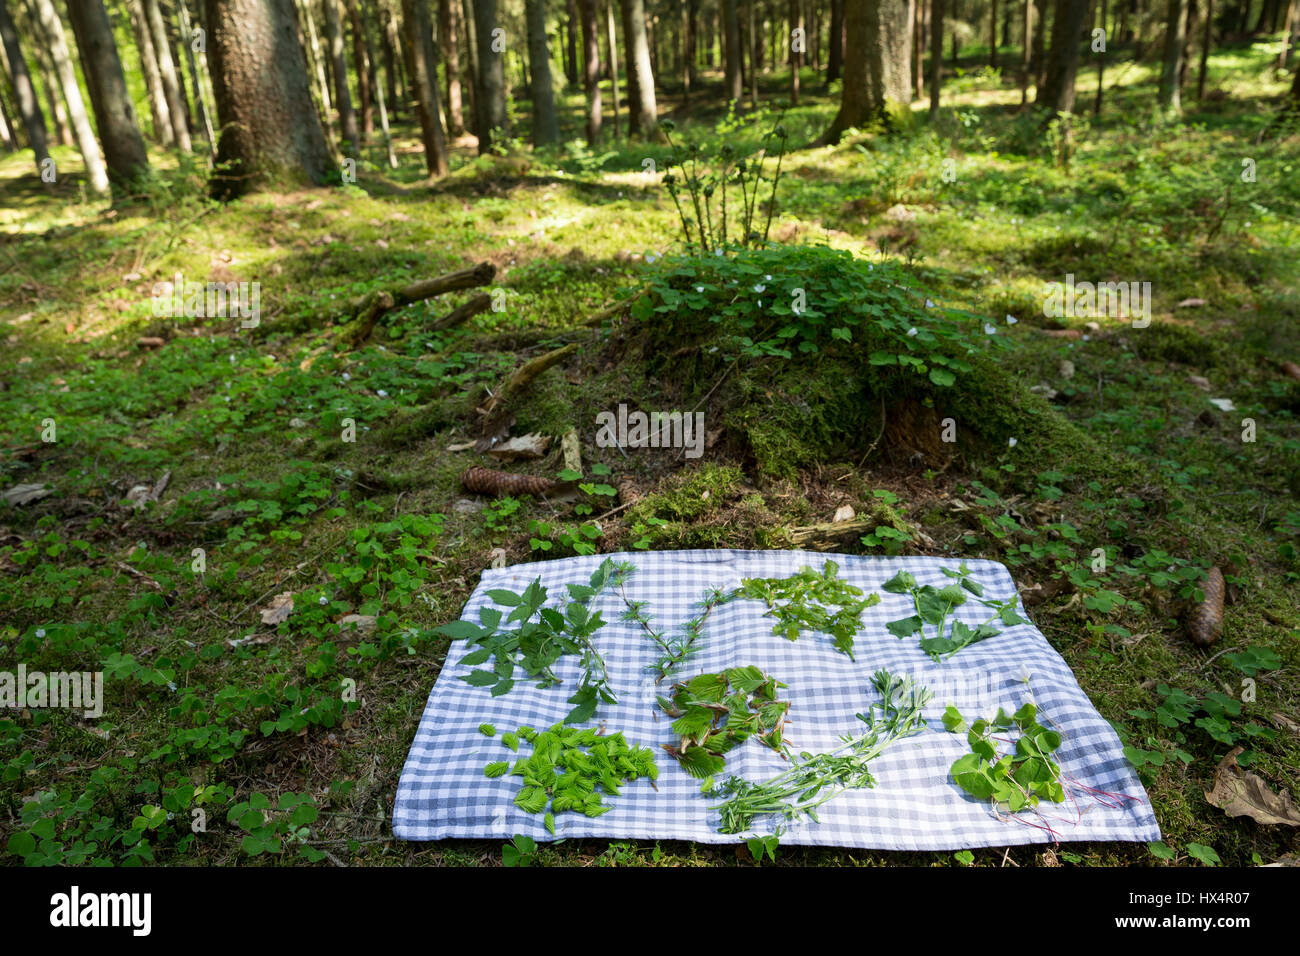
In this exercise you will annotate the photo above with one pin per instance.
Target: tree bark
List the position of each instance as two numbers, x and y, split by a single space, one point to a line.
317 57
993 34
167 70
796 58
361 62
491 74
642 112
49 78
571 29
1039 65
1172 67
546 127
52 26
856 103
612 59
339 68
1062 63
1026 53
269 127
158 109
835 55
735 88
936 55
29 108
114 113
201 97
591 68
424 77
449 34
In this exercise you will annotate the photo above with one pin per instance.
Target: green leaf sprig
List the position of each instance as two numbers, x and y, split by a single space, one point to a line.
934 605
816 778
571 770
672 650
543 636
804 601
715 713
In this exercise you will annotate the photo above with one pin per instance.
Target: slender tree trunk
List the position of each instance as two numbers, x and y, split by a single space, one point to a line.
492 74
6 129
317 59
1057 92
1171 71
731 23
158 109
856 102
1026 55
993 34
49 79
591 68
29 108
392 62
449 34
361 62
201 96
835 42
1101 63
642 112
172 29
571 28
96 173
423 56
546 127
796 57
269 127
612 59
118 128
1207 38
936 55
471 63
339 70
1039 65
918 51
162 49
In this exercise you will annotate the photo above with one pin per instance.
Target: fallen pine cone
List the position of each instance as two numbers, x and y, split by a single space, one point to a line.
1205 623
1291 369
500 484
627 492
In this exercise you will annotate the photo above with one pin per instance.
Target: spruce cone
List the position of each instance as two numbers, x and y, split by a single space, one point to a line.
499 484
627 492
1205 623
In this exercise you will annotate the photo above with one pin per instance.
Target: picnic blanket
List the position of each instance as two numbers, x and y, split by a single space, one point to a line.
915 804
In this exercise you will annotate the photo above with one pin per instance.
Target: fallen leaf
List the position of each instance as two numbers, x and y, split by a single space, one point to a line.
279 609
22 494
1281 720
1240 794
525 446
1191 303
844 513
1222 404
252 640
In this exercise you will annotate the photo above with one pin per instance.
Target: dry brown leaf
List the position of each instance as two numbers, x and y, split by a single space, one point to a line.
279 609
1241 794
523 447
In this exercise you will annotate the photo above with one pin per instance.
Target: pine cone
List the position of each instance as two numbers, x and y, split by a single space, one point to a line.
499 484
1205 623
627 491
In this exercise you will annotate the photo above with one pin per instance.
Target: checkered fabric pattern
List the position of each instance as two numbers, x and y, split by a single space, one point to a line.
915 805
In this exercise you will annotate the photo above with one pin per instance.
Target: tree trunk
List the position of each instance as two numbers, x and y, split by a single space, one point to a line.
918 51
1101 64
642 113
835 55
361 62
201 97
114 113
734 88
172 30
29 108
1057 92
158 109
571 41
546 128
612 60
755 54
889 51
796 57
339 70
317 59
993 34
269 128
491 74
1038 65
591 68
471 63
49 79
1206 39
392 63
424 78
690 13
449 34
167 70
1171 71
936 55
856 102
1026 54
52 27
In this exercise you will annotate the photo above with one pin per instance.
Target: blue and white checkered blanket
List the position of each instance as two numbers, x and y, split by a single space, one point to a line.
915 804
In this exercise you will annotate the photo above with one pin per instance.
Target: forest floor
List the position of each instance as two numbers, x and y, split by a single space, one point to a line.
1122 447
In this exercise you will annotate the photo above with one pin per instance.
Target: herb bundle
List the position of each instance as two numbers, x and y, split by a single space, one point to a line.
1020 779
934 605
817 778
805 597
675 650
571 770
544 635
717 712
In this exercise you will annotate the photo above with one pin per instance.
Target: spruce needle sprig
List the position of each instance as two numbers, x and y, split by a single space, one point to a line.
817 778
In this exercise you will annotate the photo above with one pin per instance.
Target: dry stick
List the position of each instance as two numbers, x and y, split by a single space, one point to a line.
458 316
